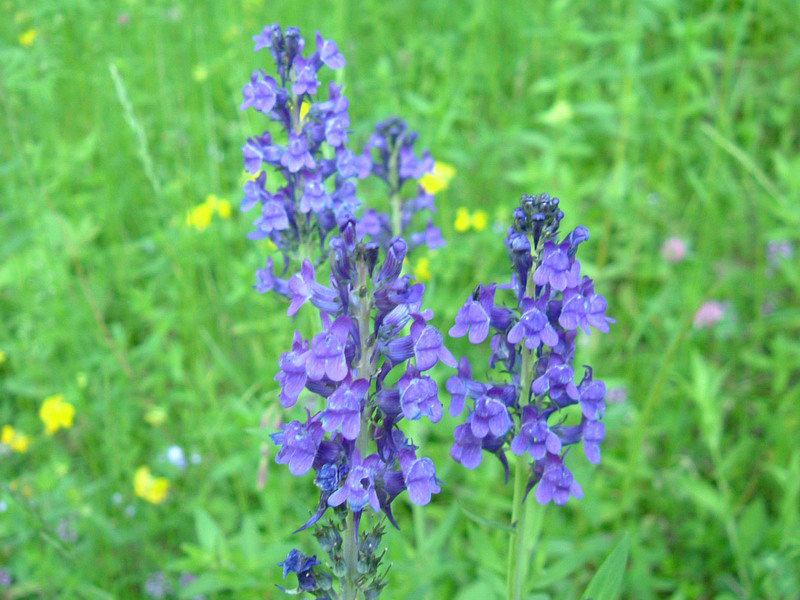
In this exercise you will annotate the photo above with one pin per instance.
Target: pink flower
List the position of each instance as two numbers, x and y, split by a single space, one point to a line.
674 250
123 19
709 314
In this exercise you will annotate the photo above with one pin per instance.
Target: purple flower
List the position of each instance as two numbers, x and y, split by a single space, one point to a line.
533 326
273 217
300 287
326 356
344 408
431 237
254 191
593 433
460 386
467 448
490 415
557 269
557 482
557 381
260 93
429 345
306 81
473 318
591 397
535 436
296 157
359 488
299 443
292 376
329 53
297 562
266 280
314 196
419 395
419 475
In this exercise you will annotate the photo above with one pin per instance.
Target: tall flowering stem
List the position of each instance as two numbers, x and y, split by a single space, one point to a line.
368 365
394 161
526 406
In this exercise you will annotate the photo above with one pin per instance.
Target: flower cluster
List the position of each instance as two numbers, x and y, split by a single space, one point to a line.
370 366
394 161
534 344
316 190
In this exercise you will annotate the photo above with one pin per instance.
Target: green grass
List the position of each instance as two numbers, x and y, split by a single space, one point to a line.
649 119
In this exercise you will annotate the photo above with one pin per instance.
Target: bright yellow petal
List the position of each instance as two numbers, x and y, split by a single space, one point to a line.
422 270
142 482
20 443
8 435
480 220
462 221
224 209
28 37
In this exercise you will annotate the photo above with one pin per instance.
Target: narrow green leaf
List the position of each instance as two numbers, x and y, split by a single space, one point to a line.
607 582
483 521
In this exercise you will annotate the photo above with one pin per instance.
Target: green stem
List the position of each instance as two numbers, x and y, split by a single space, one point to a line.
517 552
394 186
350 591
517 566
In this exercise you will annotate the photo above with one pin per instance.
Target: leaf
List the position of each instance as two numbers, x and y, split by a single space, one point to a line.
208 532
607 582
483 521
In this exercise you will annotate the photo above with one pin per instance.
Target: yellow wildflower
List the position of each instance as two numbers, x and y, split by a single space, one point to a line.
152 489
480 220
56 413
3 357
224 209
18 442
462 220
200 73
200 217
439 179
156 416
28 37
422 270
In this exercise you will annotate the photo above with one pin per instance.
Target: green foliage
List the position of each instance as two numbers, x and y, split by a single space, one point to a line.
649 119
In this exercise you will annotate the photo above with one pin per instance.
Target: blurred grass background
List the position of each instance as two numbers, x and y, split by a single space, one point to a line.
649 119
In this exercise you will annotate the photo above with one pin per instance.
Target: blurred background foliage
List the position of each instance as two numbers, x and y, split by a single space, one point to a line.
651 119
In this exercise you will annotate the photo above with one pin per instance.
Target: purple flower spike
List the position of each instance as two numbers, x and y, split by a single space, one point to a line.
292 376
557 269
467 448
300 287
419 475
535 436
359 488
533 327
557 482
593 433
296 157
429 345
299 443
329 53
344 408
490 415
419 395
326 356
